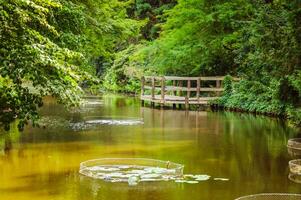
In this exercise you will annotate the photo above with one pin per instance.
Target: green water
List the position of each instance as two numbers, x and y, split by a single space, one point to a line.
43 163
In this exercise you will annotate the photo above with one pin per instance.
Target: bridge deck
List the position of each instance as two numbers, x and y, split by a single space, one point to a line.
181 90
176 99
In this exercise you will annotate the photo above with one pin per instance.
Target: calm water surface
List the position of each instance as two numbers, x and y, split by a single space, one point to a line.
43 163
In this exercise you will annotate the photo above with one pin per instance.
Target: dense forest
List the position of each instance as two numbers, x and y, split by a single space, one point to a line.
58 47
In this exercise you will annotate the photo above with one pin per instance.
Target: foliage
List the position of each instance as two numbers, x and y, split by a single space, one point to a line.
268 55
124 76
32 65
258 41
47 48
254 97
195 36
153 11
97 29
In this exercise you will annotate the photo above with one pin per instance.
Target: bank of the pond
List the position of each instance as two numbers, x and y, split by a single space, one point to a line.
236 101
254 97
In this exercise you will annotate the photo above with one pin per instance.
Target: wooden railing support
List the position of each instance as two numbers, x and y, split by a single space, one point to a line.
142 89
174 84
198 89
153 91
186 103
188 88
218 85
180 85
162 91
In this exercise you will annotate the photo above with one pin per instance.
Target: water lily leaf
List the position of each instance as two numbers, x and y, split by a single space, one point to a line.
221 179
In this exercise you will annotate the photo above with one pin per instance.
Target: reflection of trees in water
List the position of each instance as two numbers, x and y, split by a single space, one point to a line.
7 139
257 144
8 145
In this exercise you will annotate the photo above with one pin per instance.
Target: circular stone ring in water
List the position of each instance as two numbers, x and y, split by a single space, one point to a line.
131 170
294 147
295 166
271 196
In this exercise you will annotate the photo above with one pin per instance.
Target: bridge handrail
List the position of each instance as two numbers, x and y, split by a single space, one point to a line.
178 78
178 88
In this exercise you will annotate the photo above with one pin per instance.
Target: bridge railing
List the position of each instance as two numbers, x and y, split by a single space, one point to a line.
178 90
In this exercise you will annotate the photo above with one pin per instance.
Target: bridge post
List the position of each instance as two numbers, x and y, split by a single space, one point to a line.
180 91
153 92
180 85
218 85
142 89
174 92
188 88
186 103
188 94
198 89
162 91
174 84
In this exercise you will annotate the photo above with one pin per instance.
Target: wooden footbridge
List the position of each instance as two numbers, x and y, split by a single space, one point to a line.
172 90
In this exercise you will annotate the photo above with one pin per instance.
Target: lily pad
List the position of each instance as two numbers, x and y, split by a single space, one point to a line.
221 179
147 176
201 177
192 182
180 181
137 171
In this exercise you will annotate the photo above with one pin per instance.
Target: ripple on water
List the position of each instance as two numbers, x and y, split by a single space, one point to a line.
90 124
58 122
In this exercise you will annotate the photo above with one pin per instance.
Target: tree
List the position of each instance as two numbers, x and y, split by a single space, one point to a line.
32 65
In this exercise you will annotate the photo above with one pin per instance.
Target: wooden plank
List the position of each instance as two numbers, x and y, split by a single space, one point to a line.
176 78
217 78
170 101
174 84
180 85
218 85
146 87
178 98
188 89
177 88
186 102
198 88
212 89
167 94
172 88
153 88
183 89
162 90
212 78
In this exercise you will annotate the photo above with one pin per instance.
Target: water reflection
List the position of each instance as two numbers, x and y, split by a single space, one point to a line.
250 151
